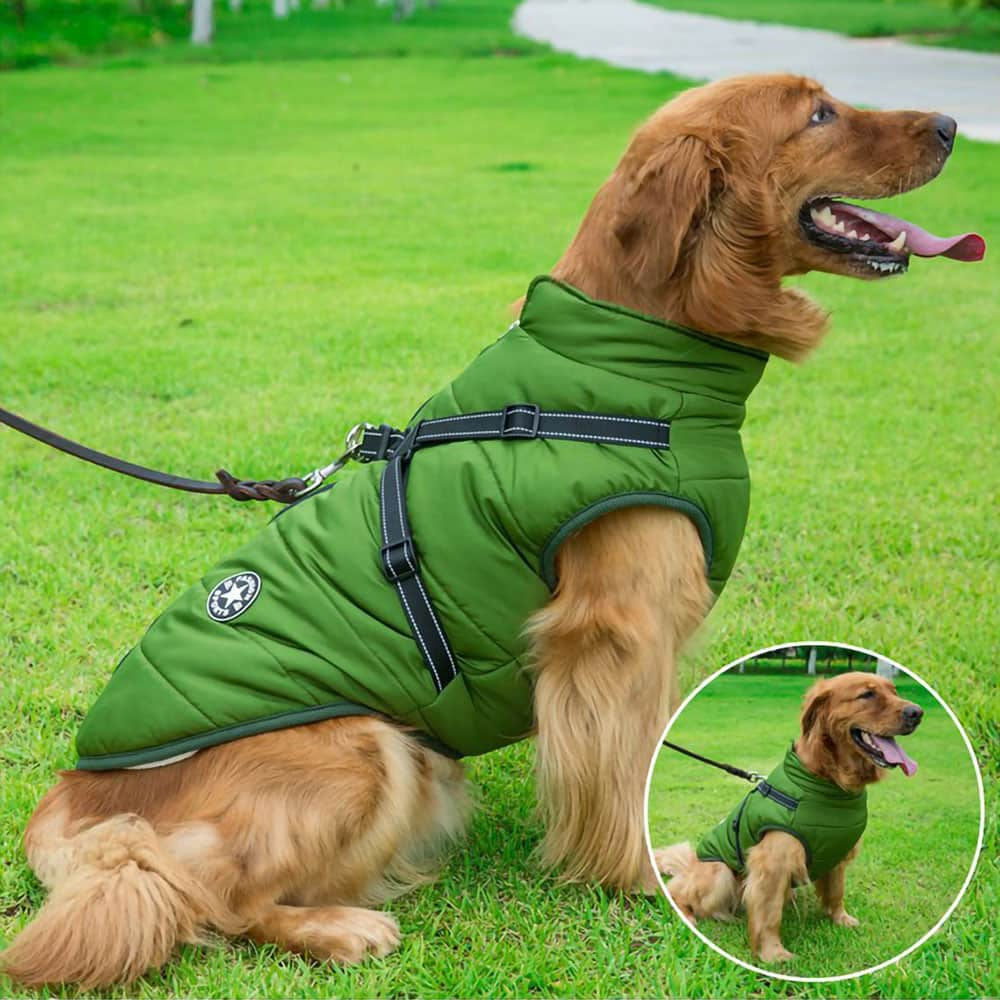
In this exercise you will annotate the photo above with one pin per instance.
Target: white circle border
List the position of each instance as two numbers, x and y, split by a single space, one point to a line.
770 973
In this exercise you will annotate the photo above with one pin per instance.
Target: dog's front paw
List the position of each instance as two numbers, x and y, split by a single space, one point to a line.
354 935
776 952
380 934
844 919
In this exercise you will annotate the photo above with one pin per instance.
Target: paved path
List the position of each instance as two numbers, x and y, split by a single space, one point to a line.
880 73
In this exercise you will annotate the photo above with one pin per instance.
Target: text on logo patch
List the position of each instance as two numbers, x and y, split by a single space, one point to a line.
232 596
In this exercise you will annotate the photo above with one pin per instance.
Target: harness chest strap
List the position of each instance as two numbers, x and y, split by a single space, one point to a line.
515 422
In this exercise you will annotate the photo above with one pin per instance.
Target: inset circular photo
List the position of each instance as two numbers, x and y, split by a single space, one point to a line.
815 811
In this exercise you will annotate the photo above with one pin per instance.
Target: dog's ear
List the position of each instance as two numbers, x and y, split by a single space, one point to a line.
816 703
665 195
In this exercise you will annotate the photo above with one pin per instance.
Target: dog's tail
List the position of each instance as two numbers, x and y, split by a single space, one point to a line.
121 911
699 888
677 859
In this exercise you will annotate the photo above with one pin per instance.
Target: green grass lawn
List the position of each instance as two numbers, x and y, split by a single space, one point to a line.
232 263
920 841
930 22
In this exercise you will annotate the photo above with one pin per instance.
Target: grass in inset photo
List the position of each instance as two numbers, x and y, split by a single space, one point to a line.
916 851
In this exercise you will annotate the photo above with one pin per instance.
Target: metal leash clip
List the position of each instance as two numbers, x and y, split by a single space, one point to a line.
355 438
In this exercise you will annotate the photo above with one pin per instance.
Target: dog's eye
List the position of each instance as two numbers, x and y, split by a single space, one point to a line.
867 694
823 114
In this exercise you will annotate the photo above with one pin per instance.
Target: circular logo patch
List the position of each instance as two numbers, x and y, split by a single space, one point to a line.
230 598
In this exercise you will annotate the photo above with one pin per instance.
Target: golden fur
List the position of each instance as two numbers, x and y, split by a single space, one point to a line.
283 837
831 709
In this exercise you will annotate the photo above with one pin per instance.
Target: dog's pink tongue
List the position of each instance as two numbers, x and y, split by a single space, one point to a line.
895 754
968 246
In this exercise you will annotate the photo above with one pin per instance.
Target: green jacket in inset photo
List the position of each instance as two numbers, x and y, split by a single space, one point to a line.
826 819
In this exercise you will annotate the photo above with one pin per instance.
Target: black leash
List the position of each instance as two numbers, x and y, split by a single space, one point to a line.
281 490
751 776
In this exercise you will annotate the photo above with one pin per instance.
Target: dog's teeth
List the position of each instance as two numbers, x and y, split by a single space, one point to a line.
898 243
824 217
853 235
885 265
865 236
839 226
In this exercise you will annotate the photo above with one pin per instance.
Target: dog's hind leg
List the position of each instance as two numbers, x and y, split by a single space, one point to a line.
773 867
326 817
51 848
830 890
339 815
631 590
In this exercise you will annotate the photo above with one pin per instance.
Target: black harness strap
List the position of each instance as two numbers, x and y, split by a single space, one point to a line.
401 567
783 799
517 422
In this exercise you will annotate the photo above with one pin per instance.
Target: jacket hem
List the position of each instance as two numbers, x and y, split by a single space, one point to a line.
226 734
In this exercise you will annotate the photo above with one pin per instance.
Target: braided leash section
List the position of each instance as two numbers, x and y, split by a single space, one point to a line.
280 490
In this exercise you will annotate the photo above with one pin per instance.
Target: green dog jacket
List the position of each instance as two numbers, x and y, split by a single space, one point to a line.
301 624
826 819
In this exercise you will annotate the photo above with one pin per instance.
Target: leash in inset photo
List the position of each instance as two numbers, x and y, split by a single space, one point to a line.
751 776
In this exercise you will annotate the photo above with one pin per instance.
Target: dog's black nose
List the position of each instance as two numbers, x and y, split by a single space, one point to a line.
912 715
945 128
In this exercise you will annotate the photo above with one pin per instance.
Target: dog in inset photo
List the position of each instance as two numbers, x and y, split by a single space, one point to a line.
805 821
279 754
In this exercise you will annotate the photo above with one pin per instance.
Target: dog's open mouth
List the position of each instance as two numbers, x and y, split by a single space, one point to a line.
880 242
884 751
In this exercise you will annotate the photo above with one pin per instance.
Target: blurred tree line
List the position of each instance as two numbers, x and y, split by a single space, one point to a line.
36 32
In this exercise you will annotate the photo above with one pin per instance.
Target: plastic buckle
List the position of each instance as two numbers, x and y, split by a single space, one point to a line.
520 420
382 438
399 560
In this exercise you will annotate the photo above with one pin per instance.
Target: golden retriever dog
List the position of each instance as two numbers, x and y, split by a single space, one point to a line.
848 726
292 837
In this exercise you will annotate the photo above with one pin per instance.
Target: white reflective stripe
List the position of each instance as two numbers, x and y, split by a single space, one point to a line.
161 763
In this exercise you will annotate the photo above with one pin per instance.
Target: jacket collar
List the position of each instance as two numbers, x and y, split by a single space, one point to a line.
812 784
628 343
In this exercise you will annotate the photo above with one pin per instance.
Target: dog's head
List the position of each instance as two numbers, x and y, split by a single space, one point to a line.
732 186
849 729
